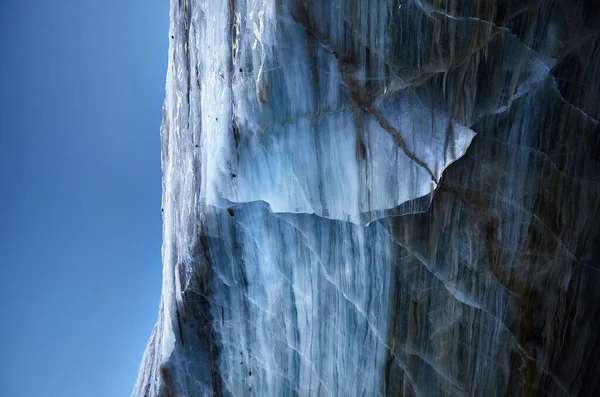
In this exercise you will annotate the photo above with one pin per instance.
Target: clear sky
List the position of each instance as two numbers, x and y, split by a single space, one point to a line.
81 90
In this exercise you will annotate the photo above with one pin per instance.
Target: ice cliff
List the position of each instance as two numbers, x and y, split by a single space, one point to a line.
380 198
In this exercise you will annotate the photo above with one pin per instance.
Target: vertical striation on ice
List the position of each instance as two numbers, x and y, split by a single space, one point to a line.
379 198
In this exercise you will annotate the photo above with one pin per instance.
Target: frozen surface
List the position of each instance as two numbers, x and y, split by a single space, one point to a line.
369 197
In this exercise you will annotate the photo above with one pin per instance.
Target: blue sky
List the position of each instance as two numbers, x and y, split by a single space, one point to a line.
81 90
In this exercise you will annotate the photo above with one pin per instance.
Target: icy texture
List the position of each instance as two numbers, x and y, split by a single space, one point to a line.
369 197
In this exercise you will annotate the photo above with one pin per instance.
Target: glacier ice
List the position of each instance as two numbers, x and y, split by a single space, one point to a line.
379 198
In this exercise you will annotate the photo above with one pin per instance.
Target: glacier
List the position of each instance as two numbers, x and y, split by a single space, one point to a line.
379 198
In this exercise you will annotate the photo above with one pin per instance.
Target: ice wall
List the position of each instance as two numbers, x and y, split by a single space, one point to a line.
369 197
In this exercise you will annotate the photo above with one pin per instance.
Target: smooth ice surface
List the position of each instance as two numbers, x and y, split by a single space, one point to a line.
334 226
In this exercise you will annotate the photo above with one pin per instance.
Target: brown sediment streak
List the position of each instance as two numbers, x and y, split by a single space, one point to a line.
233 45
395 134
362 99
